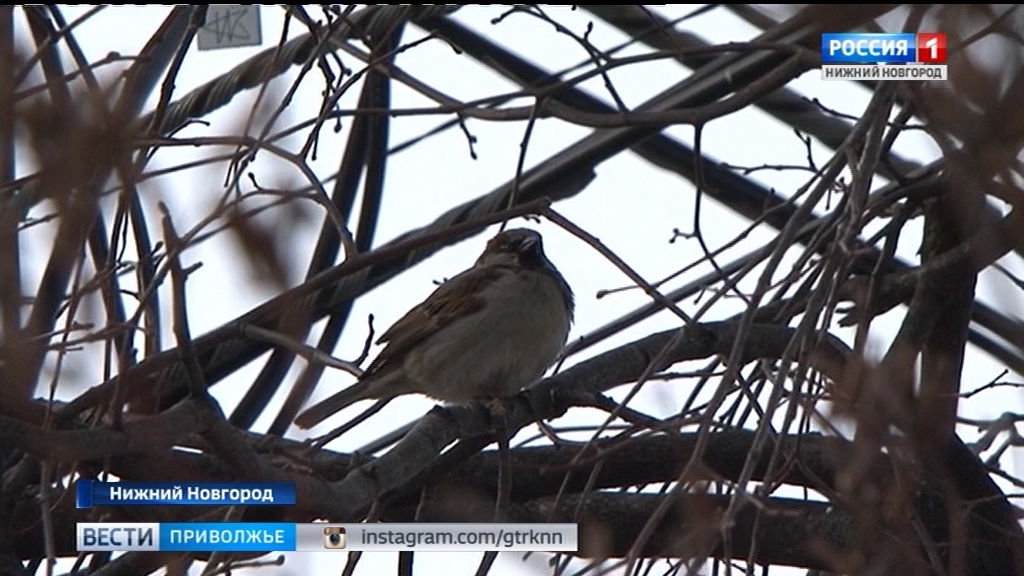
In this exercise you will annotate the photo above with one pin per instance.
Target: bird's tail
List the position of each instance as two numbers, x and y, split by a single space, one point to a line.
324 409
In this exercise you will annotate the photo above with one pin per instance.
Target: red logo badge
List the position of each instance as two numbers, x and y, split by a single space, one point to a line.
931 48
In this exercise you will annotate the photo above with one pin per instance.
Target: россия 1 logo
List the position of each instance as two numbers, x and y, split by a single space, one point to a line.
857 56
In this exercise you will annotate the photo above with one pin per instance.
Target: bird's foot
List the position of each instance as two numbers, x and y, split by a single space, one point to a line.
498 414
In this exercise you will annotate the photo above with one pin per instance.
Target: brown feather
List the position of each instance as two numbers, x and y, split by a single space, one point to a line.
452 300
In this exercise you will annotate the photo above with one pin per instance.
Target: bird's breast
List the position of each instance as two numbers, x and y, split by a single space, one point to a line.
501 348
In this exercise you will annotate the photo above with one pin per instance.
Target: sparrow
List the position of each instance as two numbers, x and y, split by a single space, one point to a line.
486 333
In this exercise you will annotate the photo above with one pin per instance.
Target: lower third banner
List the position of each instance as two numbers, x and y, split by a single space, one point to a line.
320 537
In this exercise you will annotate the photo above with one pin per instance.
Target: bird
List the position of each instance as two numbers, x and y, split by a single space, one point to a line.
484 334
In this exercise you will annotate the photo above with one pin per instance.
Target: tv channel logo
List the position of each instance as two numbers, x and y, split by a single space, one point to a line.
334 537
902 48
931 48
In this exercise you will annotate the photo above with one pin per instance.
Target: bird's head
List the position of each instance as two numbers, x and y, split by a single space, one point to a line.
523 248
517 247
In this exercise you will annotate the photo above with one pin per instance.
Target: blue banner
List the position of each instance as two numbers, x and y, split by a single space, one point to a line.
186 537
227 537
862 48
89 493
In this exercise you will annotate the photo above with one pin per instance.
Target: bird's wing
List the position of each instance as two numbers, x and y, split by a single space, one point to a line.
456 298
